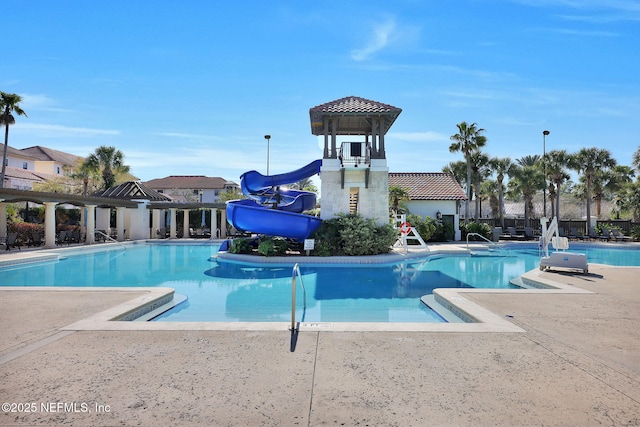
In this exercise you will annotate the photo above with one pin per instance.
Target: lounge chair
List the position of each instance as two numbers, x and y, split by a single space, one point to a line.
619 236
36 239
12 241
606 235
528 233
63 237
573 233
511 231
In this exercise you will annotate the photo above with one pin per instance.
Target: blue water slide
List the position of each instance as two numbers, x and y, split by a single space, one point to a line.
273 210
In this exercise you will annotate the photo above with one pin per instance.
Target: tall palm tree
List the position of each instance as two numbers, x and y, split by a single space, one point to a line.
458 170
108 161
588 161
479 172
468 140
557 164
501 166
8 102
528 178
85 172
635 162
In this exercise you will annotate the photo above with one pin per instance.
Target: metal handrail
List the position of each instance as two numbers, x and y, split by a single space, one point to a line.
107 237
296 272
482 237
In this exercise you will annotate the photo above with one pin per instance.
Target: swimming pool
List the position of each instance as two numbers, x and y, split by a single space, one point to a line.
224 291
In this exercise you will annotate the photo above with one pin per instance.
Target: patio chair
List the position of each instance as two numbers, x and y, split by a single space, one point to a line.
36 239
511 231
606 235
618 236
63 237
12 241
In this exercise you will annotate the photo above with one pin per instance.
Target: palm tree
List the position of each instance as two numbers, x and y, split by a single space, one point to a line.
109 161
480 171
557 162
468 140
501 166
588 161
396 195
528 178
8 102
635 162
458 170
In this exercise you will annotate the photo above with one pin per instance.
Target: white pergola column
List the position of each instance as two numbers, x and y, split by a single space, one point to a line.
91 224
155 223
214 223
120 222
223 223
50 224
172 225
185 224
103 219
3 219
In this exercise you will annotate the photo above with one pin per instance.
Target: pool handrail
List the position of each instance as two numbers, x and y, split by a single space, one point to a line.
296 272
107 237
482 237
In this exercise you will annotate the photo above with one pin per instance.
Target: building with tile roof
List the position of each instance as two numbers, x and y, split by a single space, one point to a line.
433 194
37 164
192 188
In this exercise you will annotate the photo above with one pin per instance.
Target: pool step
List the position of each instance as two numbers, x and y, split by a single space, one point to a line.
443 311
177 300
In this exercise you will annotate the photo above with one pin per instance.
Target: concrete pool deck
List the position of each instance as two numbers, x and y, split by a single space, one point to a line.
575 361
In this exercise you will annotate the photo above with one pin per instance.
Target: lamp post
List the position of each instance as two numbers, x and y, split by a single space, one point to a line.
544 166
267 137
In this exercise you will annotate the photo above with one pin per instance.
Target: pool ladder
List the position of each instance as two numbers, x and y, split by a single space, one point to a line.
296 273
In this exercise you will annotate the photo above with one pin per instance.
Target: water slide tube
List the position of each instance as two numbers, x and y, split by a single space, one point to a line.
263 213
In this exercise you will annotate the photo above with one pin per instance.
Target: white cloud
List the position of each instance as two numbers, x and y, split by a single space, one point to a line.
379 39
56 131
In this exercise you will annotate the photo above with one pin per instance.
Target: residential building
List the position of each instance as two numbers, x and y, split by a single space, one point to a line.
28 166
193 188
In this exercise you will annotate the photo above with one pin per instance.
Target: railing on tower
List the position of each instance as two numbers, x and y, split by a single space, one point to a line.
355 154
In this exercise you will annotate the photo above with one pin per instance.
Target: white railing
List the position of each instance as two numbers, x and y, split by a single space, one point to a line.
107 237
296 273
482 237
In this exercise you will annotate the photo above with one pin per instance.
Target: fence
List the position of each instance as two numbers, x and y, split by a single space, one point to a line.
579 224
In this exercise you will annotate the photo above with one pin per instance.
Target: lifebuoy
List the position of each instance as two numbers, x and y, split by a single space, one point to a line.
405 227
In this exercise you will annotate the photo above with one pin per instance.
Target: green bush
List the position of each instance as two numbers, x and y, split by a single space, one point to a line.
476 227
426 226
635 232
270 246
241 246
350 234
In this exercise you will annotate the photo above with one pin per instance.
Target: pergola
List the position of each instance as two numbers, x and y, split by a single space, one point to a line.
134 202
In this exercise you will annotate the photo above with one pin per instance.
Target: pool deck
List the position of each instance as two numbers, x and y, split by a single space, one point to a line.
570 358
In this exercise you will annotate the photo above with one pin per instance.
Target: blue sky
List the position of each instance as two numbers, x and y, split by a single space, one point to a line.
191 88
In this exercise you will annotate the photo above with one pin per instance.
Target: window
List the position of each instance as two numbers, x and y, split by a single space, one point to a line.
58 170
25 165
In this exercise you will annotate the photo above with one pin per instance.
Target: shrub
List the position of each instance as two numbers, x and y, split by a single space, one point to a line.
351 234
426 226
635 232
476 227
270 246
241 246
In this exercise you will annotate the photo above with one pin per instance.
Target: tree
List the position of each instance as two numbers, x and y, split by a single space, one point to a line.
501 166
479 172
527 180
8 102
588 161
396 195
557 162
468 140
108 161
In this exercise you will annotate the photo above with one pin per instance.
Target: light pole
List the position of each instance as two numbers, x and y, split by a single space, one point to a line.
544 166
267 137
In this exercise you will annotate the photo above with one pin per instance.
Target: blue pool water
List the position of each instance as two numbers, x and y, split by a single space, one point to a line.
222 291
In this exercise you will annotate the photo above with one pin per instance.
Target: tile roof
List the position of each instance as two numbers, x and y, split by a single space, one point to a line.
48 154
353 115
428 185
355 105
187 182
